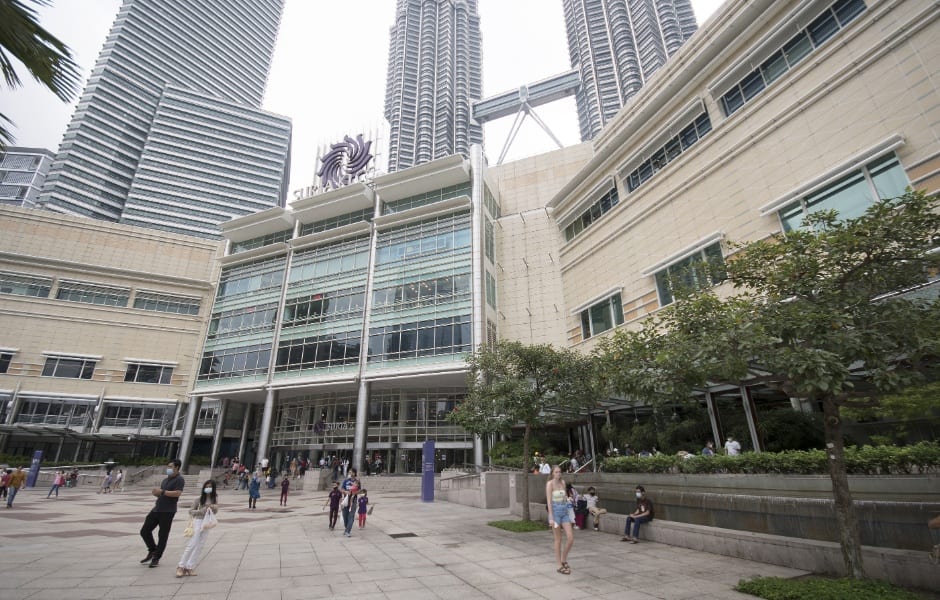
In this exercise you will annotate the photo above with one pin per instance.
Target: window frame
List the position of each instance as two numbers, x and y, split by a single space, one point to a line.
586 315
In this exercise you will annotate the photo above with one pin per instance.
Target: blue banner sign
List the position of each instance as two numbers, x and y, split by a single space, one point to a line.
427 472
33 474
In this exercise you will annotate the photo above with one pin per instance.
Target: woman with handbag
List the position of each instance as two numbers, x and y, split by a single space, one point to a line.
201 520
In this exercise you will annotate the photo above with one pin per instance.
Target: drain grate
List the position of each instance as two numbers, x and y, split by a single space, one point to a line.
402 535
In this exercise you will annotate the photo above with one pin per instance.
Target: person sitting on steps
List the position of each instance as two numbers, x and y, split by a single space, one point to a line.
642 514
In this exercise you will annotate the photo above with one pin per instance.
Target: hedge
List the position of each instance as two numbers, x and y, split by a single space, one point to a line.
923 457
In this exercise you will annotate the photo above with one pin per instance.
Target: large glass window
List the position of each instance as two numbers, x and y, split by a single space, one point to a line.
262 240
318 351
600 317
144 373
242 320
451 335
454 191
74 291
330 260
422 293
703 268
333 222
489 241
25 285
5 359
242 361
823 27
592 213
69 368
432 236
55 411
850 195
660 157
490 290
137 416
252 277
182 305
324 307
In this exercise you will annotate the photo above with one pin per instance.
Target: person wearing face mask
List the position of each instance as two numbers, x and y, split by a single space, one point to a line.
168 495
207 500
642 514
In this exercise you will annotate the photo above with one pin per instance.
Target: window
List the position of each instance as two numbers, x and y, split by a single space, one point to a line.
25 285
600 317
182 305
254 277
235 362
43 410
454 191
144 373
318 351
422 293
89 293
821 29
703 268
322 307
333 222
262 240
852 194
490 290
489 241
491 204
5 358
662 156
451 335
592 214
436 236
69 368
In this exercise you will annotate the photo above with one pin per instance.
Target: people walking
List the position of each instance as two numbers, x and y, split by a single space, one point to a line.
560 518
15 484
254 490
119 481
350 492
5 481
363 508
285 486
162 513
207 501
57 482
333 500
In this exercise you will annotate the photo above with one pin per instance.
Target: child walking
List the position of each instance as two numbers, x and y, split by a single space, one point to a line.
285 486
254 491
363 509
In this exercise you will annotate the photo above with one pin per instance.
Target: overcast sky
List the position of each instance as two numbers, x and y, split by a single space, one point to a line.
329 71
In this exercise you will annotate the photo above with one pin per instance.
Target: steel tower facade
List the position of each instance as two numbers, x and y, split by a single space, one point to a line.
434 75
616 45
168 133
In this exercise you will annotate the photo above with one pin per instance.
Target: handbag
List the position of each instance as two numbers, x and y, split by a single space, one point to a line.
344 502
189 531
209 521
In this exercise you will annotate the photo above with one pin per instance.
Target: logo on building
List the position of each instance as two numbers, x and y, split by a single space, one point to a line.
344 163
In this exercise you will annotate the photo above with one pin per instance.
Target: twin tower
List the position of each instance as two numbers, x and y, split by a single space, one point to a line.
169 133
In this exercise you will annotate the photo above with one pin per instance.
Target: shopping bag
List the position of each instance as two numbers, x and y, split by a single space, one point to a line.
209 521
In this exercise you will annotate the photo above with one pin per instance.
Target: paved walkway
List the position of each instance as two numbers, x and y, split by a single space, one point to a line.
83 545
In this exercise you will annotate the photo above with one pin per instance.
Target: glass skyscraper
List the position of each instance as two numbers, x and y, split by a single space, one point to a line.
168 133
616 45
434 75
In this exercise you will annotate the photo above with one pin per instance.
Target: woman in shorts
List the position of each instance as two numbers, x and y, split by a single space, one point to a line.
560 518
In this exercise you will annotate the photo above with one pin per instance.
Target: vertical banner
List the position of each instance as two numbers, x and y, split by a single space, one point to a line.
427 472
33 474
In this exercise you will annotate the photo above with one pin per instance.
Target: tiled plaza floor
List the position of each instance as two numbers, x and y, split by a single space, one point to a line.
84 545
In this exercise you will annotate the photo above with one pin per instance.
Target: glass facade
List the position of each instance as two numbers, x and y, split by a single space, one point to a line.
687 272
600 317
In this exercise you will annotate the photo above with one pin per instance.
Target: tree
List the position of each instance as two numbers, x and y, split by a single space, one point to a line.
820 313
510 383
47 59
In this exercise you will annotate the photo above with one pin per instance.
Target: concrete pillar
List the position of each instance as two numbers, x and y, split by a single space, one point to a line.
189 431
246 425
362 425
267 420
219 431
478 452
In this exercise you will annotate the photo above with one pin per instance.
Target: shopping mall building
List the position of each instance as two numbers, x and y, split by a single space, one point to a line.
342 323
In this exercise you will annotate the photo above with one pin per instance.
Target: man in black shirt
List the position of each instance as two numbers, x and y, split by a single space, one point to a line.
168 495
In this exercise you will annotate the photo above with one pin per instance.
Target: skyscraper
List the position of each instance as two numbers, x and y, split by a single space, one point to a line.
617 45
434 74
168 133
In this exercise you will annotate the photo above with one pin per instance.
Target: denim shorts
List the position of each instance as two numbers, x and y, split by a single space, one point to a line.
561 513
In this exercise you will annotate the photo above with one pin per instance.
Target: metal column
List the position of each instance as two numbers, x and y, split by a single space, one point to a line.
362 423
243 441
219 431
267 419
189 431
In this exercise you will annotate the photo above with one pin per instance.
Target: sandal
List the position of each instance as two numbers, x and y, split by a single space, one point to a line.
564 570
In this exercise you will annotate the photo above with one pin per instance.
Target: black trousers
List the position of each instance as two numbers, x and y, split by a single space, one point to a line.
163 520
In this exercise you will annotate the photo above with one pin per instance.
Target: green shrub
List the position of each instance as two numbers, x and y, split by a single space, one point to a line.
518 526
819 588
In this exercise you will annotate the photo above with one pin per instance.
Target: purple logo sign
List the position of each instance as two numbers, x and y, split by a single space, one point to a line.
344 163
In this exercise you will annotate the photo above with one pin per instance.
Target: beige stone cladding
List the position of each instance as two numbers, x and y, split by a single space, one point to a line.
869 90
530 298
66 249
